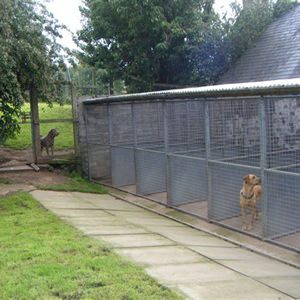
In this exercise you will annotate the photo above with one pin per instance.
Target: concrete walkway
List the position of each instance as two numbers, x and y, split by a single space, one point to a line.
194 263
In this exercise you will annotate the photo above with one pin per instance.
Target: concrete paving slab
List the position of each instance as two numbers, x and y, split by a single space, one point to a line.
135 240
158 221
67 205
197 240
240 289
225 253
176 230
52 195
263 268
111 230
192 273
162 255
108 202
134 214
78 212
95 221
289 284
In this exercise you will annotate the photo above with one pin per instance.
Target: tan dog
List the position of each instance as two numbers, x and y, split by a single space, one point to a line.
249 195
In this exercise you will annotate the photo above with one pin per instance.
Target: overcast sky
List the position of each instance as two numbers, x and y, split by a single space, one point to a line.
67 12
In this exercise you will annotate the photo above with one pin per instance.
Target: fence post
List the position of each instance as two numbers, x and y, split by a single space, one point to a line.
74 101
263 162
208 155
109 121
35 124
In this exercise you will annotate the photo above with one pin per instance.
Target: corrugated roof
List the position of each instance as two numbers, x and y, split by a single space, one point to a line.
273 87
276 54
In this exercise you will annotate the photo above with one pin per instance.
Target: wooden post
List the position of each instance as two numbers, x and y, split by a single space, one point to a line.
74 100
35 124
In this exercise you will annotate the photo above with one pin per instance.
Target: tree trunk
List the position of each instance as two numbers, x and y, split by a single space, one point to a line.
35 124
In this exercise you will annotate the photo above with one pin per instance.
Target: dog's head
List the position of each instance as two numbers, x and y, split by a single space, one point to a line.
54 132
251 179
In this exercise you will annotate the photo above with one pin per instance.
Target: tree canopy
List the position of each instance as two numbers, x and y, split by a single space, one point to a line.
29 58
145 42
165 43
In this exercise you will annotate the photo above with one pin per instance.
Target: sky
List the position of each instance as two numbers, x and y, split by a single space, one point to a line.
67 12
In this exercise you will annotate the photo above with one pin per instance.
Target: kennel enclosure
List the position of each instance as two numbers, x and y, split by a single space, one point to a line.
190 149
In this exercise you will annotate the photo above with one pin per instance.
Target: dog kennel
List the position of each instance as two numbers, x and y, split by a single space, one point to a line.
191 148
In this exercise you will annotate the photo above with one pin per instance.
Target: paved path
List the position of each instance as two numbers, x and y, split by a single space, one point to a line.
197 264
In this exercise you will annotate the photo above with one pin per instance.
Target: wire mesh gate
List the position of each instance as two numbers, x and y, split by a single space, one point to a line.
192 153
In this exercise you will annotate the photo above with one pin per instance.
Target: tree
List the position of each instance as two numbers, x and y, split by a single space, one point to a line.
30 62
145 42
250 22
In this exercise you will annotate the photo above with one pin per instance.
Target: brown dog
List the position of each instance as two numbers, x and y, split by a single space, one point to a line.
47 142
249 195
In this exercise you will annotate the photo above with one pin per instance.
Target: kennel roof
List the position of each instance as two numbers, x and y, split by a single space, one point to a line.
262 88
275 55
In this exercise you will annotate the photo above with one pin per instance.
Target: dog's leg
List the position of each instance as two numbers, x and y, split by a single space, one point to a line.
253 210
47 150
243 211
52 150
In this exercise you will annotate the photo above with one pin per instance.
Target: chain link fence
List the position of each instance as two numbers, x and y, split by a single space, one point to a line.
190 149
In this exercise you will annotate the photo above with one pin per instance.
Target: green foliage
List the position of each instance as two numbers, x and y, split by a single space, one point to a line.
145 42
22 140
44 258
77 184
164 43
29 58
249 23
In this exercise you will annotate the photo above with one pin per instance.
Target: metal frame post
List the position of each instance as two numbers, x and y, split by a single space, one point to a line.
263 162
166 146
134 135
85 119
208 155
108 109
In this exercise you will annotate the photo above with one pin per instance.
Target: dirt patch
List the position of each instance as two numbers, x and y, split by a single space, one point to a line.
12 157
42 177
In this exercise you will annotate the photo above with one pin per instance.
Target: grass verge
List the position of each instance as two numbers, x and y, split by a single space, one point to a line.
41 257
76 184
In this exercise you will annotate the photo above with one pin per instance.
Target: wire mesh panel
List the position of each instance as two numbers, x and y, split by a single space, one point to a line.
122 144
235 131
187 176
97 135
227 181
150 172
283 206
185 126
121 126
149 125
187 180
283 132
122 166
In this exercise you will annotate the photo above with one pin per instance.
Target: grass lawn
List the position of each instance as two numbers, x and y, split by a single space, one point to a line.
63 141
76 184
41 257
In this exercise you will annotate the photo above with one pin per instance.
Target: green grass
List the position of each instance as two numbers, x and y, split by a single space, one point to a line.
63 141
76 184
43 258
